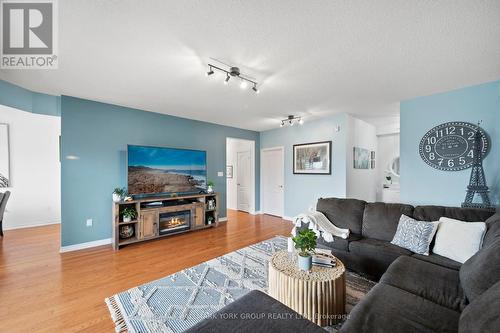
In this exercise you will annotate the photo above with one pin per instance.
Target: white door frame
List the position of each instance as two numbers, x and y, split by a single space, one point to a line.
252 170
282 149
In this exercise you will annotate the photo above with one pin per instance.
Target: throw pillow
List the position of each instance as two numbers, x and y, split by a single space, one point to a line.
458 240
414 235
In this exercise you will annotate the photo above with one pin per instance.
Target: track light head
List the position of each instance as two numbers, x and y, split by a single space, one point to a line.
254 88
282 124
226 81
291 120
210 71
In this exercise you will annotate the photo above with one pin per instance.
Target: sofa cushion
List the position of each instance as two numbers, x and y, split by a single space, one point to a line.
458 240
481 271
439 260
380 220
338 243
375 255
344 213
389 309
434 213
255 312
414 235
482 314
493 229
435 283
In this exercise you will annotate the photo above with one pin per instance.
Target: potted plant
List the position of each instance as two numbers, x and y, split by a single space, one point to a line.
305 242
210 186
119 194
129 214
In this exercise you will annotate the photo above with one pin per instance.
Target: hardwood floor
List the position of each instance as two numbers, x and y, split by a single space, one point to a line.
42 290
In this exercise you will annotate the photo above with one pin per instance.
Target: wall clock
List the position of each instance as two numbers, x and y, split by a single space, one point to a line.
450 146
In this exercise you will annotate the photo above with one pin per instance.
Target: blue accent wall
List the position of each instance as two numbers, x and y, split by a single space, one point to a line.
302 191
95 136
422 184
27 100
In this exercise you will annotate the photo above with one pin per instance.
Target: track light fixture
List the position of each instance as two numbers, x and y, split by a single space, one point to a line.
234 72
291 120
210 71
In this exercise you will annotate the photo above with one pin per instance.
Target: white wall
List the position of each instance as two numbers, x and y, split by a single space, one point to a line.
34 168
361 183
388 148
233 146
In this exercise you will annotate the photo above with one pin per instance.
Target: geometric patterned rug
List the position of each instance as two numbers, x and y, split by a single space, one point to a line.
178 301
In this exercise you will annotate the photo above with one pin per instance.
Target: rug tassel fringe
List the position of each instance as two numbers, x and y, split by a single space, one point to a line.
116 315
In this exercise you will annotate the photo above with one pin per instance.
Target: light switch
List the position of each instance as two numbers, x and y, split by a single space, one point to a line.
89 222
220 174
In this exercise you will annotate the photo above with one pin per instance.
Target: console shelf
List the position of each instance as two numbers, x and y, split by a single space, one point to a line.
164 216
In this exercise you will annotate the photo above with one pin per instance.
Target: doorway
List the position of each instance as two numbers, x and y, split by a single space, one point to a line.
240 174
273 181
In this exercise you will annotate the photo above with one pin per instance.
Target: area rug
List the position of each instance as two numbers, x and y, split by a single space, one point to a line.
178 301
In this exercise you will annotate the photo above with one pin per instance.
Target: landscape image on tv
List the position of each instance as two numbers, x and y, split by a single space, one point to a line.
155 170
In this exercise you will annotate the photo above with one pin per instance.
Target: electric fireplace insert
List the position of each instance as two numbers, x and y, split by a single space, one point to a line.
175 221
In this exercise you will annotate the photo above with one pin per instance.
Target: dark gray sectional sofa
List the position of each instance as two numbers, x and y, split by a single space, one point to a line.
416 293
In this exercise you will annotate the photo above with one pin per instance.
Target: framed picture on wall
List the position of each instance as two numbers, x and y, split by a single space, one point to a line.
361 158
229 171
312 158
4 156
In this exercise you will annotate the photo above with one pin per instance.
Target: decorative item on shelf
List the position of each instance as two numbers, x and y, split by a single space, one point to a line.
450 146
129 214
234 72
126 199
305 242
312 158
126 231
291 120
211 204
210 186
210 220
229 171
119 193
477 182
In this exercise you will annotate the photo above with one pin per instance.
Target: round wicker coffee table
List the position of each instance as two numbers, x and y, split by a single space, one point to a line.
318 295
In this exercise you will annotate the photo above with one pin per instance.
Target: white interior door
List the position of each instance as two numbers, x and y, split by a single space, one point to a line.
273 181
244 179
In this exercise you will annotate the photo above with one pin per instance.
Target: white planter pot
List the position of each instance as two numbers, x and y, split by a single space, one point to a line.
305 263
116 197
127 219
210 189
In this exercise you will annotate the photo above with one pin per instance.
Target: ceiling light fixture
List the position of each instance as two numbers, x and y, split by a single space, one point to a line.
291 120
235 72
210 71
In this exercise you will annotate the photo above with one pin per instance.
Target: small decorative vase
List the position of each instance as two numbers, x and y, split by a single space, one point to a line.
210 189
117 197
126 231
127 219
305 263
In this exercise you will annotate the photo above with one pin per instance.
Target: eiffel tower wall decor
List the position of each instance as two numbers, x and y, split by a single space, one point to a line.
477 183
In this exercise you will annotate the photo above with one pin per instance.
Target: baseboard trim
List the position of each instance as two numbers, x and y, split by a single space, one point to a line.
223 219
24 226
259 212
86 245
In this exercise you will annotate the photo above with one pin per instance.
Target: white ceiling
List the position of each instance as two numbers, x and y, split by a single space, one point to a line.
313 58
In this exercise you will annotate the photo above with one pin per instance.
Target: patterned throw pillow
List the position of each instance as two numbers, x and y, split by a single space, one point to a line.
414 235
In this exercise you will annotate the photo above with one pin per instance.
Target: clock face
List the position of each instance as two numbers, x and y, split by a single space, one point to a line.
450 146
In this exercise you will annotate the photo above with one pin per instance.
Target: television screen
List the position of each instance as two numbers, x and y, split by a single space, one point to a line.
158 170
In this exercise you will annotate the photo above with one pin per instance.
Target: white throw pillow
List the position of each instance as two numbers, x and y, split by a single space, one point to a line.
458 240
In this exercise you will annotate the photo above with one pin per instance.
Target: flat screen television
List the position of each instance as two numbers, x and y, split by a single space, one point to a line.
161 170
